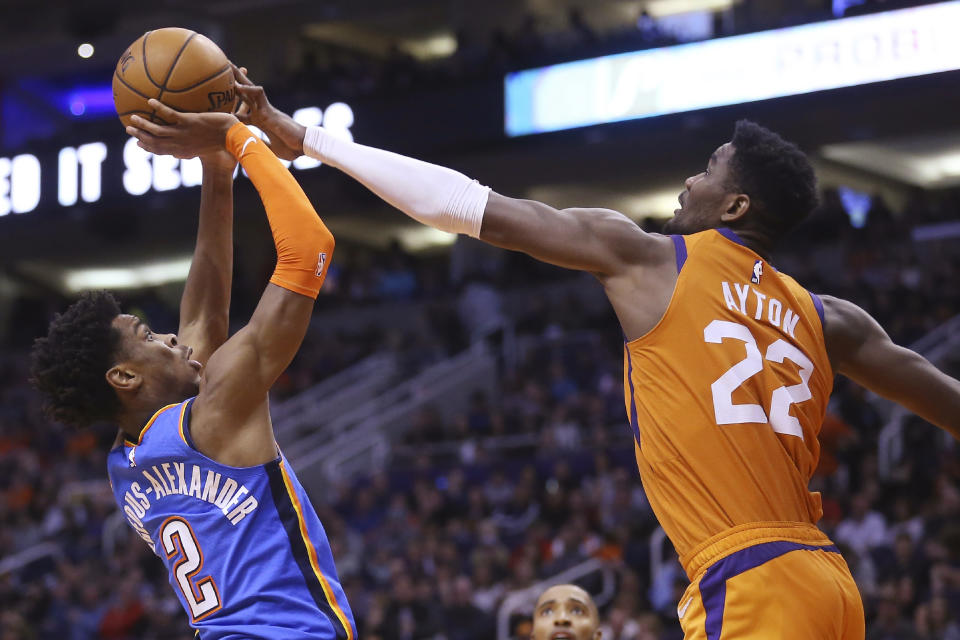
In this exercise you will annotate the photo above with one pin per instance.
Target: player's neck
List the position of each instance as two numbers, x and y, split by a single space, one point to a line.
757 241
132 420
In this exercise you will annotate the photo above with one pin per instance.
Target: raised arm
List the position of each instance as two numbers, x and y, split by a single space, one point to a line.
600 241
205 304
230 420
860 349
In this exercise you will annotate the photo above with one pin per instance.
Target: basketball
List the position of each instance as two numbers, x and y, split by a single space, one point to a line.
182 68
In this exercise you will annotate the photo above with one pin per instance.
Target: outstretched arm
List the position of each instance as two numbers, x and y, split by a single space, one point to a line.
860 349
230 420
600 241
205 304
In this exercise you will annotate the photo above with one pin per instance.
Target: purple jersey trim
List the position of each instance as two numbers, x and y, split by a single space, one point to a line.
731 235
818 303
680 247
713 585
634 420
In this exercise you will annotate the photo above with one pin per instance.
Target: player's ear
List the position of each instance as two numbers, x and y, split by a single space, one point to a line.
737 205
123 378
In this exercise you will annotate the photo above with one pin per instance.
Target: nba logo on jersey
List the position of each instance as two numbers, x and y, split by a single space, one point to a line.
757 272
322 260
131 456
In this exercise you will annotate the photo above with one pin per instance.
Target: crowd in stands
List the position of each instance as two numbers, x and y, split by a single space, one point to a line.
520 485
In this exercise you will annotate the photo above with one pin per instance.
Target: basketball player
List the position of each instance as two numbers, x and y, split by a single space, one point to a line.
565 611
195 468
728 363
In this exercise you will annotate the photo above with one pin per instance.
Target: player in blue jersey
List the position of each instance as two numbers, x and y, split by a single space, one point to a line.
195 467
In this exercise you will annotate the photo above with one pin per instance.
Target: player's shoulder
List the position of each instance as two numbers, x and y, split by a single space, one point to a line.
841 314
626 238
845 324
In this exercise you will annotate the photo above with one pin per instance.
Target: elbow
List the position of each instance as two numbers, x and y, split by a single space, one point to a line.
323 240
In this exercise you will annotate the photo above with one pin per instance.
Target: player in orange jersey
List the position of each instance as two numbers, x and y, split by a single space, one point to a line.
728 363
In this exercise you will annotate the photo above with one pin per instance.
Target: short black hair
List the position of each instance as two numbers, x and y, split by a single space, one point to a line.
69 364
776 175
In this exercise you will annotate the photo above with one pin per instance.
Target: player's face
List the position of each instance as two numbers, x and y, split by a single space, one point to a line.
565 612
168 374
706 196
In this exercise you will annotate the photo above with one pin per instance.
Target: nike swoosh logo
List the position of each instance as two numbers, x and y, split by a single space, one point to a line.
249 140
682 610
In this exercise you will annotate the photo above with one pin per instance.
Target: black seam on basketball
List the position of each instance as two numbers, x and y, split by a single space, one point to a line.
155 118
129 86
146 69
199 82
173 64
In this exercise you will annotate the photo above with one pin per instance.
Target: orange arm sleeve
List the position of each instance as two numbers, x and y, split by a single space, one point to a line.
304 244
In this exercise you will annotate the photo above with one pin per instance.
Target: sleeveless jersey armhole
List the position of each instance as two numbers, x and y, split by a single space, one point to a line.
818 304
680 248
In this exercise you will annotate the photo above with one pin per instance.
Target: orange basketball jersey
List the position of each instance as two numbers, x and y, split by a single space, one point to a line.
725 397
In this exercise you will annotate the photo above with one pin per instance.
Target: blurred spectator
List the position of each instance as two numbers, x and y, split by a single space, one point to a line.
463 620
864 529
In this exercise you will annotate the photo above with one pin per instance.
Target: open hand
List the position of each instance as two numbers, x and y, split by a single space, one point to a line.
186 136
285 133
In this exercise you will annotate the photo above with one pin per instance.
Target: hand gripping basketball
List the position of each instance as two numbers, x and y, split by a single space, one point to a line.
286 135
188 135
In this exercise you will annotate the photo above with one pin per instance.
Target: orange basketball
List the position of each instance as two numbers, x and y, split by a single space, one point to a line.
183 69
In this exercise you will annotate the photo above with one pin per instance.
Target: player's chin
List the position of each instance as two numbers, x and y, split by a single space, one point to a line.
674 224
190 384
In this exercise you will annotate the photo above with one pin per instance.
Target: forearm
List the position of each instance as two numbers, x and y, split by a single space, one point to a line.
929 393
304 244
860 349
433 195
909 379
205 304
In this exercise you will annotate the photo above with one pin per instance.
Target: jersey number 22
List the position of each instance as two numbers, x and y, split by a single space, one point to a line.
727 412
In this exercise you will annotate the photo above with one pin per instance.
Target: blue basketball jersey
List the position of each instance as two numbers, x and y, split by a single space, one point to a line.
243 546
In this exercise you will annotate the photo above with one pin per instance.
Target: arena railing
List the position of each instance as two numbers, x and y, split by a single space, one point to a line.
523 600
451 449
333 396
360 439
69 492
17 561
936 346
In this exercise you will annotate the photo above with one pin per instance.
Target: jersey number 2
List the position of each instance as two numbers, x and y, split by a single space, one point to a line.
728 413
201 595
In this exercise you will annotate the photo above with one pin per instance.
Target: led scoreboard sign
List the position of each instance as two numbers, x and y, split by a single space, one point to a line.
757 66
79 170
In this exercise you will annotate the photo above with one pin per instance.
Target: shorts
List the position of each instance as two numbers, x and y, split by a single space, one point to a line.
782 590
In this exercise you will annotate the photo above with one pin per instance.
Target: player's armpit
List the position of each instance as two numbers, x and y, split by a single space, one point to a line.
860 349
601 241
240 373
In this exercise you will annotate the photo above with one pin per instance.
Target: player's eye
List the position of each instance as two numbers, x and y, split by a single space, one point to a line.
577 610
546 611
149 335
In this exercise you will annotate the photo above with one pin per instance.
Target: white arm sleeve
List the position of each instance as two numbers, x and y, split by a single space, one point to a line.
436 196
